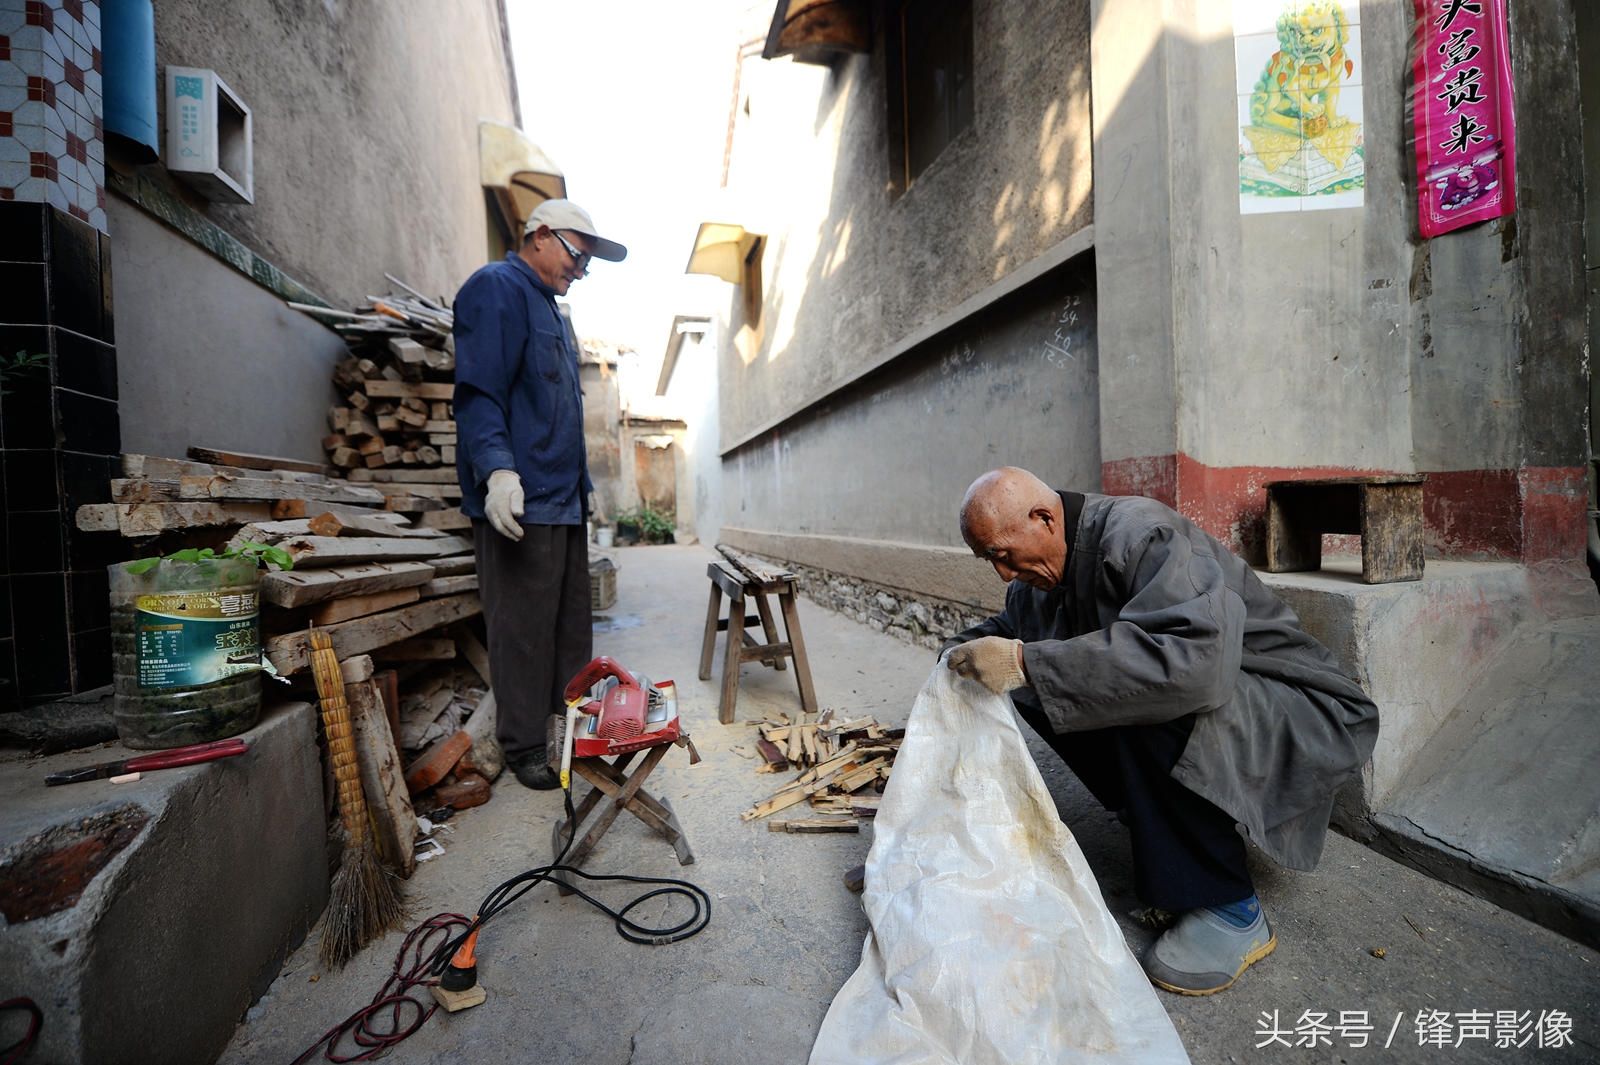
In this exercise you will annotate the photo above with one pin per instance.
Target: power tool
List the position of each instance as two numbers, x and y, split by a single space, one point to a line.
620 712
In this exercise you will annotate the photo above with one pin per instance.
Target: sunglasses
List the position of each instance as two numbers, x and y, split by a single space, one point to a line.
578 257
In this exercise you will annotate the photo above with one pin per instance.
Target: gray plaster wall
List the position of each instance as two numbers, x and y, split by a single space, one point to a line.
889 458
1330 337
852 263
207 357
366 131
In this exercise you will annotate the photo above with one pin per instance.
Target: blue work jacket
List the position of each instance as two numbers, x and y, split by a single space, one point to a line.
517 401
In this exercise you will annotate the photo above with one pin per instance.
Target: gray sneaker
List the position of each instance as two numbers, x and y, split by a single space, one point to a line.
1203 954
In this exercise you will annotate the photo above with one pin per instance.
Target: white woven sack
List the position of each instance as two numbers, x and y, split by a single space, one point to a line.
988 941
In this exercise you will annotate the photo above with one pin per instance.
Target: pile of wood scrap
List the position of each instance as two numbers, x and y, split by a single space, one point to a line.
786 745
397 386
841 786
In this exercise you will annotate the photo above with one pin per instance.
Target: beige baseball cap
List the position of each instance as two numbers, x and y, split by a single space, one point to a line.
564 214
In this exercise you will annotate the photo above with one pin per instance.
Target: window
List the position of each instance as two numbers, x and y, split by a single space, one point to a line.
931 45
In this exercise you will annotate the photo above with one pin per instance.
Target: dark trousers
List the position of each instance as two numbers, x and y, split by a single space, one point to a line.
1186 851
535 594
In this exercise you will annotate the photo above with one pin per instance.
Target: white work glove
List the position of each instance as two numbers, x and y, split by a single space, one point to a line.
504 503
993 661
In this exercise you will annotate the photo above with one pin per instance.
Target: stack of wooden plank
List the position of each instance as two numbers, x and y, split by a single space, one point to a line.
843 780
396 384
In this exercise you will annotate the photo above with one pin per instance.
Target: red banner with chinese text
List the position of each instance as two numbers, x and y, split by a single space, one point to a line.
1463 124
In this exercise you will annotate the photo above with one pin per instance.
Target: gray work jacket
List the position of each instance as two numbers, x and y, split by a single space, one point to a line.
1153 620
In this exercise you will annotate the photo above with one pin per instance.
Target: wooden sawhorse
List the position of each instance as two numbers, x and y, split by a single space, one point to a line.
758 583
626 793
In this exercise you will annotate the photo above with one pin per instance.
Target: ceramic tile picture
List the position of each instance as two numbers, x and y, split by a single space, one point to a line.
1300 114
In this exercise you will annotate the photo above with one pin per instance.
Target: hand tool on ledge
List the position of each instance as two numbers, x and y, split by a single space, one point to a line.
168 759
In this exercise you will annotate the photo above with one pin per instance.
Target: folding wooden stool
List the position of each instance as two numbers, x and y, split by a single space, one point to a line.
626 792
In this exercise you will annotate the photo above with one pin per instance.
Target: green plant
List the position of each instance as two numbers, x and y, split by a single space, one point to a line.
262 554
19 365
655 527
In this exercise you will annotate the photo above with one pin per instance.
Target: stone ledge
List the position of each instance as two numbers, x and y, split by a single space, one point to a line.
184 892
1417 647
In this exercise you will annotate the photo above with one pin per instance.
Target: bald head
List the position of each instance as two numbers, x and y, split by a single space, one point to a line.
1012 519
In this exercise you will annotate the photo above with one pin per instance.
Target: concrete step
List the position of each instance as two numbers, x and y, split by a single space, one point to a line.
1504 798
144 918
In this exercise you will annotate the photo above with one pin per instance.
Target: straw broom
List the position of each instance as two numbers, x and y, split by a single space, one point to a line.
364 900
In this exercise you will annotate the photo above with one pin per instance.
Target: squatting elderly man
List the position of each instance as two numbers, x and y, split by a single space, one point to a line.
523 471
1182 693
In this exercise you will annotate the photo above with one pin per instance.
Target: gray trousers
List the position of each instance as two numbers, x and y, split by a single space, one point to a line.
535 594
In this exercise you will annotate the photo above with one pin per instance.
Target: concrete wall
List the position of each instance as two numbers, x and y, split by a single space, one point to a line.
208 357
692 392
602 409
897 352
366 131
1243 348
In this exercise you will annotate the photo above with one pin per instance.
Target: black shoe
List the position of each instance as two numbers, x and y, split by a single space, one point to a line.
532 770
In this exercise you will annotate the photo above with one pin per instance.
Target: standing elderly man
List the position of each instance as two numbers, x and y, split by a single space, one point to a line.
524 474
1182 693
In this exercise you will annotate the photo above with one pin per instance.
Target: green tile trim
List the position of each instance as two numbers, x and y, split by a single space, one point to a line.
162 204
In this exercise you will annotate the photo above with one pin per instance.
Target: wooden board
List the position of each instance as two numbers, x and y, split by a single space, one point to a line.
414 504
148 519
355 606
291 652
453 565
231 487
330 524
382 778
403 485
308 551
413 476
356 669
419 649
245 460
466 582
445 519
283 509
302 587
473 651
399 389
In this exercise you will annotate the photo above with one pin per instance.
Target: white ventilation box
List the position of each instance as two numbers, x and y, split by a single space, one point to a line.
208 135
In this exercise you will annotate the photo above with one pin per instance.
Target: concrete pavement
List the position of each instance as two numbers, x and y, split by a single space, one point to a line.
785 934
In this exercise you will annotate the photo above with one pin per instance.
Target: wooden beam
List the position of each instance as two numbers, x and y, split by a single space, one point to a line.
407 504
148 519
402 485
473 651
382 777
291 588
445 519
411 476
419 649
466 582
300 508
245 460
343 550
291 653
355 606
330 524
400 389
230 487
453 565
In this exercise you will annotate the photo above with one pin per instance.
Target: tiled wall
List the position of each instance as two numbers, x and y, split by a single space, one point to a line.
60 438
52 145
60 434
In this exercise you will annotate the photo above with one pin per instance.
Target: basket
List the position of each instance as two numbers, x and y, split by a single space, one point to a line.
602 584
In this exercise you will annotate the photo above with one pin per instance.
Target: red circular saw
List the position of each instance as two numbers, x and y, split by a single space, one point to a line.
611 711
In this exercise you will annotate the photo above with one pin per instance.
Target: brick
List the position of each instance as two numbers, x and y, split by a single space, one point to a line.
468 790
48 873
432 765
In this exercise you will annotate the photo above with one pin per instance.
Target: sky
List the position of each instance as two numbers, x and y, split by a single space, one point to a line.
631 99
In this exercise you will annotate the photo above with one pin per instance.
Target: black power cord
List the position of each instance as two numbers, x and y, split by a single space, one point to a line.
406 1014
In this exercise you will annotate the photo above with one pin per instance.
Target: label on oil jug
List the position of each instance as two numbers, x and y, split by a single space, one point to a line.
186 639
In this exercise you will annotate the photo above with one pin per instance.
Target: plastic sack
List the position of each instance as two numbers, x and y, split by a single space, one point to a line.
988 941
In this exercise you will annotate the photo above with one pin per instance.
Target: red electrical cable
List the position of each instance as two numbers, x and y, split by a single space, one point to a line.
393 1000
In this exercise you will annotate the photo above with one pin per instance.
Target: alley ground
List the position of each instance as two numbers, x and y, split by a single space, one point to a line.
785 933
